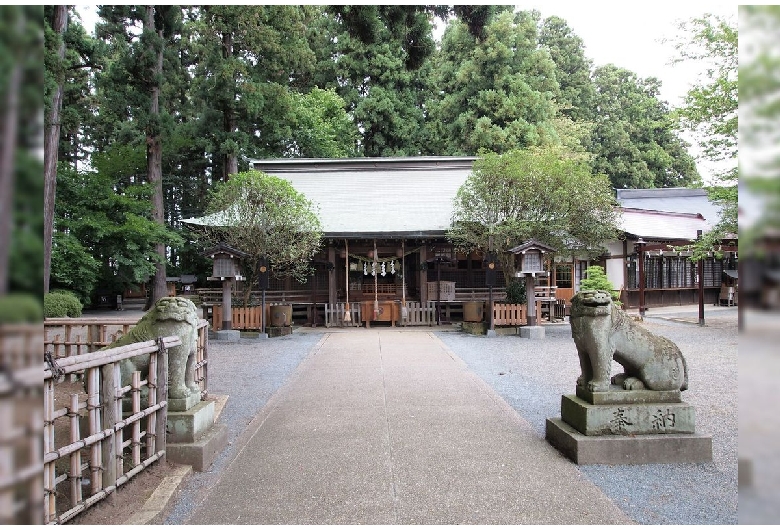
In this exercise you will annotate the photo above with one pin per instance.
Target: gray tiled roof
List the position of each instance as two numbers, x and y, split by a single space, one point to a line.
377 197
676 200
655 225
412 196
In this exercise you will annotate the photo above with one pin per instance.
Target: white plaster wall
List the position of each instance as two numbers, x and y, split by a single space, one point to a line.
615 272
614 267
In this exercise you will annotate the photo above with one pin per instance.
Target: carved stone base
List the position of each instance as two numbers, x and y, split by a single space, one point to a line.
618 449
627 419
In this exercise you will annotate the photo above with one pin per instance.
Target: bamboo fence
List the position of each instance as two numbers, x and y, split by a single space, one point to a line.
85 454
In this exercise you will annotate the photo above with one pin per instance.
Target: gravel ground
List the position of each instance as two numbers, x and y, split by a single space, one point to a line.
531 376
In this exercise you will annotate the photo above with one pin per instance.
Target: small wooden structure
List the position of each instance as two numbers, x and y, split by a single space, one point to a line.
529 263
226 269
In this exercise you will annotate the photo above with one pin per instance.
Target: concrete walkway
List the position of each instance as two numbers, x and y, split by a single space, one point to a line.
389 427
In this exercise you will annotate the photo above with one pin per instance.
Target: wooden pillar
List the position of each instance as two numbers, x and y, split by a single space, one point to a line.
227 304
529 294
423 276
624 290
332 278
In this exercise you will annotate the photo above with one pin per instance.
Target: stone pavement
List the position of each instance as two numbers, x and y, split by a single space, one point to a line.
386 426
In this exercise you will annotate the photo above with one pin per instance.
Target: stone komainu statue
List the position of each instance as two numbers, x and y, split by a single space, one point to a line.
602 332
169 316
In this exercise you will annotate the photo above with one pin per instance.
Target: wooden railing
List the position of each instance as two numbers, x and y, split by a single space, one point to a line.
214 296
21 424
109 460
468 294
513 314
67 337
334 315
419 314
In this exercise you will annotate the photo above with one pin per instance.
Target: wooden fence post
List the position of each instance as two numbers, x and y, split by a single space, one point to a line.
108 397
162 395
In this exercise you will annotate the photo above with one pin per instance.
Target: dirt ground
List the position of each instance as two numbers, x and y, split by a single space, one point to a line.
127 500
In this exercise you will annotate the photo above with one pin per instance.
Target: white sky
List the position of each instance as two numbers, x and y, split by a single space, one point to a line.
629 34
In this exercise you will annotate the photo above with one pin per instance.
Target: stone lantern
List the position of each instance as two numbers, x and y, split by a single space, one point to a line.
529 263
226 269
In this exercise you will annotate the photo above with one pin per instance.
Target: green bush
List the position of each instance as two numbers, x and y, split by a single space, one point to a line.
596 279
515 292
18 308
59 304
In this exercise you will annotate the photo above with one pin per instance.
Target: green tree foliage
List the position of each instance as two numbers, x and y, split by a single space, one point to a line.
138 76
247 58
320 128
265 217
541 193
572 68
710 106
375 58
710 113
633 138
496 93
105 240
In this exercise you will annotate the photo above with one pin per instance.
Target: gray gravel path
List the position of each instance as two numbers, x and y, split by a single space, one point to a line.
531 376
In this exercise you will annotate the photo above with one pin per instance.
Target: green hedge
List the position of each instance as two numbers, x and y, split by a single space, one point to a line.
20 308
59 304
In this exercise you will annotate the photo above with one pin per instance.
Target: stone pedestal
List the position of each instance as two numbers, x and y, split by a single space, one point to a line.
531 332
279 331
227 334
180 405
201 453
474 328
192 436
627 427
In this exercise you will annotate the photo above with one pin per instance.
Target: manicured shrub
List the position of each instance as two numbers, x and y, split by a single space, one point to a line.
59 304
596 279
18 308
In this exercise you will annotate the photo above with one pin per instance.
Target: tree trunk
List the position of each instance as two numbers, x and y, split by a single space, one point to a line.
154 166
230 165
50 150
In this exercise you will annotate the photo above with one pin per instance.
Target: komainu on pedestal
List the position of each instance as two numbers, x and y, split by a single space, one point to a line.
635 417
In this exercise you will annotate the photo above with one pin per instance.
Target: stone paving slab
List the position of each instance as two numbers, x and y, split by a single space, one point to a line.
375 428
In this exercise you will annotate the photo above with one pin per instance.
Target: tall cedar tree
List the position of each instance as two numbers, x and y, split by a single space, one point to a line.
496 93
143 66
